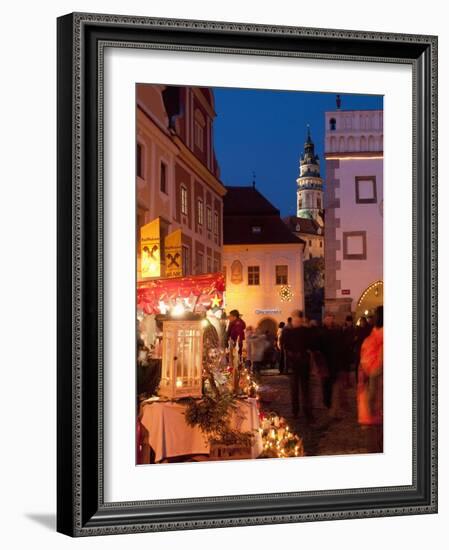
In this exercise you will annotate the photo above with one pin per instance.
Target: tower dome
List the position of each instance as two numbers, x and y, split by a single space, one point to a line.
309 190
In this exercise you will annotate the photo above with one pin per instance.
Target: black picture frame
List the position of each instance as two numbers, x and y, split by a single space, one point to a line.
81 510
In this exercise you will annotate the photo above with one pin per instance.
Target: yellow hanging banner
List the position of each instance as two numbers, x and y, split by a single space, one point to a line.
173 254
150 249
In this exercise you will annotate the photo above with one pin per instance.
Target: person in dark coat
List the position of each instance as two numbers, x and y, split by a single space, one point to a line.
236 330
348 345
295 341
331 340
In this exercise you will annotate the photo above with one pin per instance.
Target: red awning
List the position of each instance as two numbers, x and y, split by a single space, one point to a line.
197 292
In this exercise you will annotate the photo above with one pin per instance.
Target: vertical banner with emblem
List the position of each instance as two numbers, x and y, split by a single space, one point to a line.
173 254
150 249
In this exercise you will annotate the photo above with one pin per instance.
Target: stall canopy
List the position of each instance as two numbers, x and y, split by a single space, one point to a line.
195 293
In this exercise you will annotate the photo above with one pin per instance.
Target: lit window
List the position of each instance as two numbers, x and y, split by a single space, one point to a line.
209 218
200 212
184 202
281 274
253 275
256 229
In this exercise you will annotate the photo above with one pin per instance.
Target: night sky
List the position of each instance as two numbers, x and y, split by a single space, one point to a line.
263 131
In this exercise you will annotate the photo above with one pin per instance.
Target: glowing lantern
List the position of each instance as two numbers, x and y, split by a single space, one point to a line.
182 352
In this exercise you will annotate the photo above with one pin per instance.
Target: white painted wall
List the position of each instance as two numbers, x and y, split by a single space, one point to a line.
357 275
251 300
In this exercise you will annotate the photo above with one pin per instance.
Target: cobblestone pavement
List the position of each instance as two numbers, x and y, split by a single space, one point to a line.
329 434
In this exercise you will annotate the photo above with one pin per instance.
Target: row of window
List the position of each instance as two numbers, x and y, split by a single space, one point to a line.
365 122
140 169
212 266
301 203
311 243
200 212
253 274
211 223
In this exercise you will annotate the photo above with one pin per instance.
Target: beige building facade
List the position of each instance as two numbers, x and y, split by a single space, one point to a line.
262 260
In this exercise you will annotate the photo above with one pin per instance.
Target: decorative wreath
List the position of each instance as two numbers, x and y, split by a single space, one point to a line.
286 293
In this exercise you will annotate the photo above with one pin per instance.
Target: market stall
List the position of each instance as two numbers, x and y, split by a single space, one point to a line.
197 402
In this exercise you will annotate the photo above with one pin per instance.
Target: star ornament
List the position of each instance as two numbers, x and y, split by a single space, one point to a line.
216 301
286 293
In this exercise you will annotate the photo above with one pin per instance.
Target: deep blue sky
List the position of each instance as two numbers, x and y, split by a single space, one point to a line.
264 131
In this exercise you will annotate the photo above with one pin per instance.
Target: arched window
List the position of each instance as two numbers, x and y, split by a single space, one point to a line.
333 144
341 144
363 143
351 144
371 143
332 124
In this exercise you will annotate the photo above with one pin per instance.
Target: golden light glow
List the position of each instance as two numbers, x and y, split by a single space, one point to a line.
331 157
178 310
374 285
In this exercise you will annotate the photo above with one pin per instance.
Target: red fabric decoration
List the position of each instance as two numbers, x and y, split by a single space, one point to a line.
199 290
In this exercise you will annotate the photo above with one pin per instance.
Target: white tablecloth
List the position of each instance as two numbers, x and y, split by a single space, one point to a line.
169 435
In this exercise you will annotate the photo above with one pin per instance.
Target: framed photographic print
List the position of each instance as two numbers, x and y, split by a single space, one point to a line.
247 291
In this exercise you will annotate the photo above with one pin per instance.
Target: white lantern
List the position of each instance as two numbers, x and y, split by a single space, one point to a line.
182 355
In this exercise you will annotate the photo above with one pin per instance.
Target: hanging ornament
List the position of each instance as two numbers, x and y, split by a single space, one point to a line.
286 293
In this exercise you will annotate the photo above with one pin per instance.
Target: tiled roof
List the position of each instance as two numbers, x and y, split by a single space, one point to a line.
249 218
247 200
306 225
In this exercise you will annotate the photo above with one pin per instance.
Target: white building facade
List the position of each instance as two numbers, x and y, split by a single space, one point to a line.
354 212
264 282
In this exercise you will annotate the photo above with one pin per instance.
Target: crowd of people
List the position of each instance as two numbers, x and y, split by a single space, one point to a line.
339 354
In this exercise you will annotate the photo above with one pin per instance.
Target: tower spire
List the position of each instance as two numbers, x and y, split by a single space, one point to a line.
310 183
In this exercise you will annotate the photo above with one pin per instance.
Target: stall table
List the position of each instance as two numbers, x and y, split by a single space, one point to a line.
169 435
